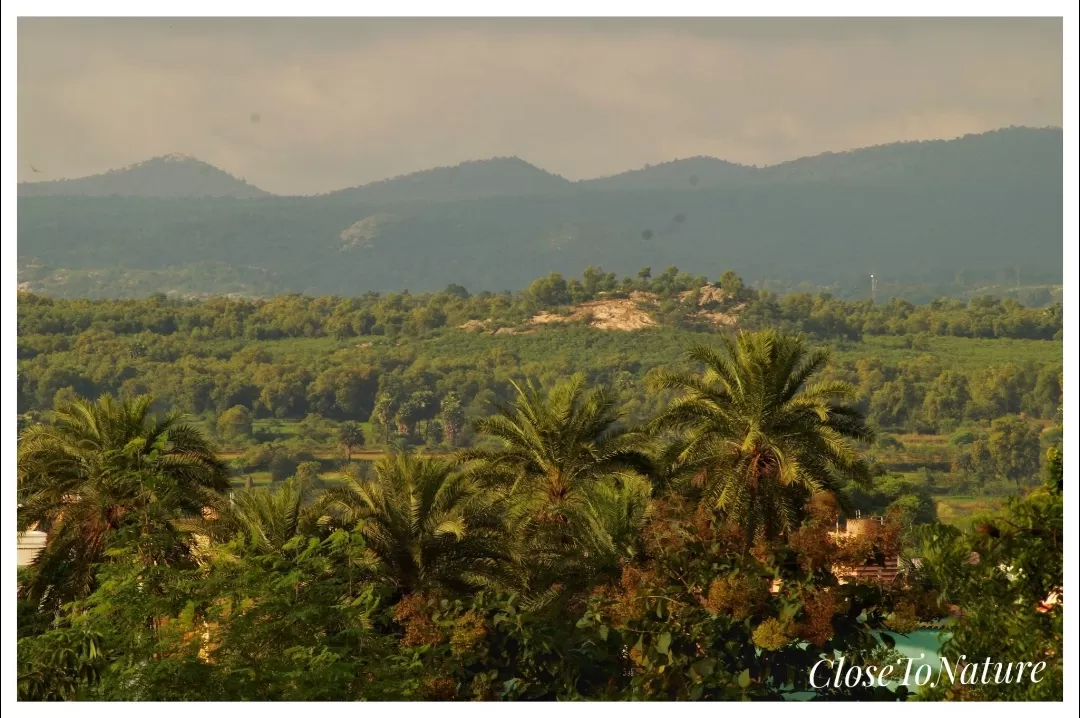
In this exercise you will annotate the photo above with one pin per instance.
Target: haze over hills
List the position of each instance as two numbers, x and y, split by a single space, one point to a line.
174 175
977 203
496 177
690 173
1021 151
179 175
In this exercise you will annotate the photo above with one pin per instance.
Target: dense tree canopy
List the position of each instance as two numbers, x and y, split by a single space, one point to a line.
559 558
418 367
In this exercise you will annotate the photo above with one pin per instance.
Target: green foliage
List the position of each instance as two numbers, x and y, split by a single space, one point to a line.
257 518
573 479
106 475
565 554
53 666
428 525
911 497
234 425
1010 590
755 437
350 436
383 359
1014 448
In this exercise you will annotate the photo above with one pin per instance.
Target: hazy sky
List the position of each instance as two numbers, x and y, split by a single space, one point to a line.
304 106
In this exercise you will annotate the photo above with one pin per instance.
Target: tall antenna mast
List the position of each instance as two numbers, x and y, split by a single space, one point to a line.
873 289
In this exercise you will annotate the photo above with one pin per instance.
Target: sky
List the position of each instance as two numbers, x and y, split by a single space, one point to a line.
302 106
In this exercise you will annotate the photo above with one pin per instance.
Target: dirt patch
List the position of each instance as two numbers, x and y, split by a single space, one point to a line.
619 313
487 326
607 314
362 234
710 294
721 319
476 325
644 297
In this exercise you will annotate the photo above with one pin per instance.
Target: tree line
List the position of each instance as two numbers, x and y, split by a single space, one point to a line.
410 359
412 315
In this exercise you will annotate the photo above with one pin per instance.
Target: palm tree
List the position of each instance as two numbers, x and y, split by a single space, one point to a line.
106 471
382 413
350 435
264 518
430 526
556 446
572 478
754 437
451 414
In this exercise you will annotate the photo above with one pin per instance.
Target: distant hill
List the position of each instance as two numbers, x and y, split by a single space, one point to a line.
167 176
1022 152
1022 149
688 174
197 279
497 177
908 211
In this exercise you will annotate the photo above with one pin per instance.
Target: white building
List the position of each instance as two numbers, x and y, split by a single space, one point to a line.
30 545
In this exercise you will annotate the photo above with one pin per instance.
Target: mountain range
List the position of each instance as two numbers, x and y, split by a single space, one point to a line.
179 175
978 202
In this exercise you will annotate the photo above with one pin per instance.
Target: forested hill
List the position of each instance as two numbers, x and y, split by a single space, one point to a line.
173 175
966 207
497 177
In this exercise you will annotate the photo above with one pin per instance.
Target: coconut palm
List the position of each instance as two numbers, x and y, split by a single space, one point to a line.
572 478
429 524
108 471
754 437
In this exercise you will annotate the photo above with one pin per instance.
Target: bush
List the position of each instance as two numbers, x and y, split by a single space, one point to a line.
963 437
282 466
235 424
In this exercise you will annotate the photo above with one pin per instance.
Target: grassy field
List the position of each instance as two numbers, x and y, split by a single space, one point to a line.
956 352
961 510
262 478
